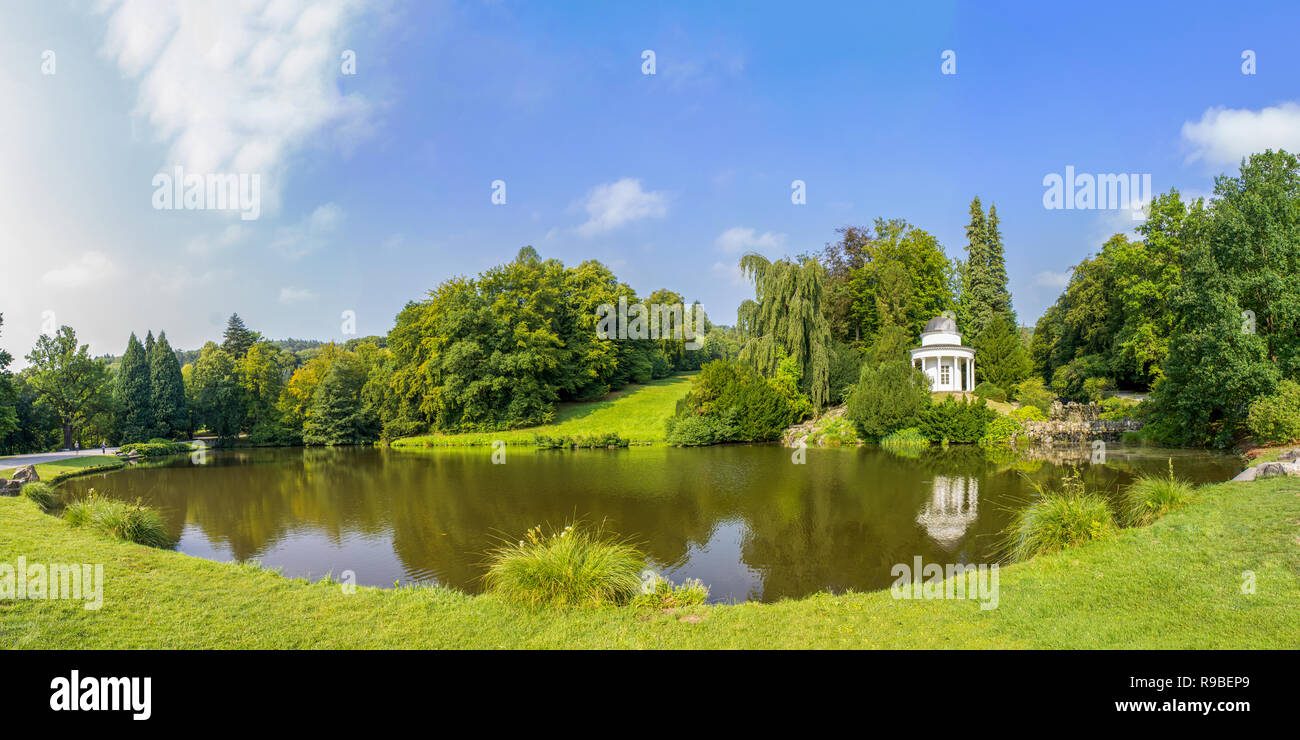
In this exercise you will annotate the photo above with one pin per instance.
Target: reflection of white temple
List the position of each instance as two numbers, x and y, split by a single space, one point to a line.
953 507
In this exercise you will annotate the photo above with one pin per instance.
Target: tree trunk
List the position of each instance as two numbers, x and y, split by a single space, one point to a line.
67 436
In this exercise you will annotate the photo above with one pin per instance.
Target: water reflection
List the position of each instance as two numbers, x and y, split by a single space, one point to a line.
743 519
953 507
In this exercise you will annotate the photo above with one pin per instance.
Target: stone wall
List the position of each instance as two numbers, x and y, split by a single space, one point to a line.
1076 424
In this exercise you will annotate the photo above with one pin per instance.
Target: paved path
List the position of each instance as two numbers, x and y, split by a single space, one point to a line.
37 458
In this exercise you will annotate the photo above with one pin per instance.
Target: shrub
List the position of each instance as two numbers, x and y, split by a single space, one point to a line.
956 421
744 405
1028 413
574 567
129 522
697 430
664 595
909 437
1118 409
155 449
592 441
989 391
1032 392
1070 381
1133 437
1000 431
835 431
547 442
1059 519
1275 418
846 366
41 494
890 396
1151 497
1096 388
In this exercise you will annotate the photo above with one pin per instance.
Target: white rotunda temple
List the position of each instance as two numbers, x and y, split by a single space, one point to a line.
948 363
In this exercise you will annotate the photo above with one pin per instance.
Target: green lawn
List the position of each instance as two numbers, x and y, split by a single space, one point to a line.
637 413
1176 584
71 466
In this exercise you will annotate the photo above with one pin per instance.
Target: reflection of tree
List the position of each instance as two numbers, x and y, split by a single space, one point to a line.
840 521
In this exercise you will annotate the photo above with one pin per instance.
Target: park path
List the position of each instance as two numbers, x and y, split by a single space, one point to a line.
17 461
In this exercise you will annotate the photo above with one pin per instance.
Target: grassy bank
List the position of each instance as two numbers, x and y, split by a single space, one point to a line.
636 413
53 472
1175 584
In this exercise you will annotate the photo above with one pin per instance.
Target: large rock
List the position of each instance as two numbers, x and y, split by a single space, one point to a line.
10 487
1273 469
1290 455
26 474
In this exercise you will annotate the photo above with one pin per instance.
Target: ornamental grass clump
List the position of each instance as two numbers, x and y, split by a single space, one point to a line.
41 494
1152 496
573 567
1059 519
135 522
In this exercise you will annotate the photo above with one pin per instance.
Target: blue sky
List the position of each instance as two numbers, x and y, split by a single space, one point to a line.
377 186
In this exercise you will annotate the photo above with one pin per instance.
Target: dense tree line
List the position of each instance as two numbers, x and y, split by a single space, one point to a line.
1203 310
493 352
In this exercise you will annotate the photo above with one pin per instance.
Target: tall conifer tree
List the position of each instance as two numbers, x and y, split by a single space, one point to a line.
134 397
171 415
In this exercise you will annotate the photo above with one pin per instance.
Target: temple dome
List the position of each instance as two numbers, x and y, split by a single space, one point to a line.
941 323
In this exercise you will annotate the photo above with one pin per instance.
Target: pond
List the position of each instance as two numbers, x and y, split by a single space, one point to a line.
744 519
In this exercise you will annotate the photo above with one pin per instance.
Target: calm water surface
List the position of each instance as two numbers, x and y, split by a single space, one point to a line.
743 519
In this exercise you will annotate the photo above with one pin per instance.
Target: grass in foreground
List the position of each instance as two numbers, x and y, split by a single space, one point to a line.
1175 584
636 413
1151 497
60 469
127 522
574 567
1059 519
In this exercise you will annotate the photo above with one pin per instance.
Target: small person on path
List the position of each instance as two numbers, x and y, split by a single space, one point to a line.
103 446
76 447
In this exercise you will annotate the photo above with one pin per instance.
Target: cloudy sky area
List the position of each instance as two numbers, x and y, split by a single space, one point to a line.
377 186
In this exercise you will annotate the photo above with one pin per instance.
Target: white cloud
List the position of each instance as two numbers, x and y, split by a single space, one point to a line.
310 234
1054 280
1224 136
614 204
267 72
739 239
90 268
289 294
205 244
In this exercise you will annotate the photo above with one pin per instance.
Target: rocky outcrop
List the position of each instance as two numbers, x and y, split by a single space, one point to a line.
1269 470
26 474
814 432
10 487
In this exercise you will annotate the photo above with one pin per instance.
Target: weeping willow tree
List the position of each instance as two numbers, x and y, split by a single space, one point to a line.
787 318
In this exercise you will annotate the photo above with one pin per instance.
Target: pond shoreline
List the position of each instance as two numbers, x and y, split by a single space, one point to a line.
1068 600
